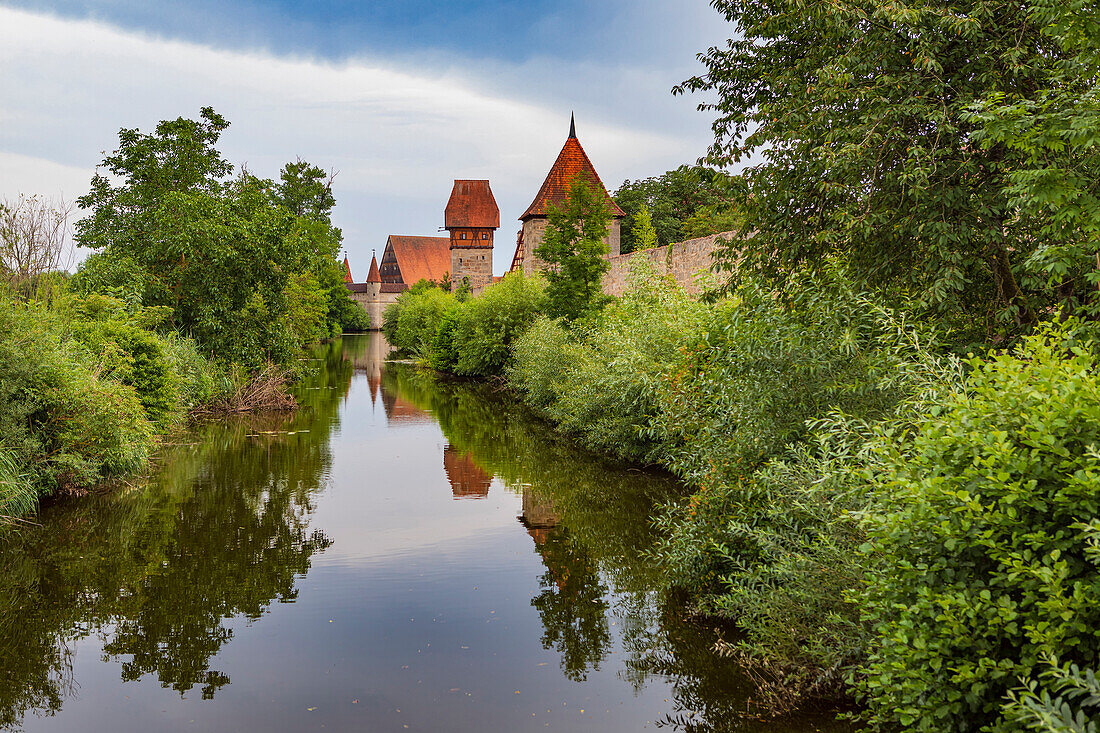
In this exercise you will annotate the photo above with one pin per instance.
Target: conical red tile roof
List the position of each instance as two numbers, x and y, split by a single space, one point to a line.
373 276
347 271
572 161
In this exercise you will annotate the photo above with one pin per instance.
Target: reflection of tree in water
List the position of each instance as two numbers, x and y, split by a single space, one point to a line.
220 531
590 519
237 546
572 605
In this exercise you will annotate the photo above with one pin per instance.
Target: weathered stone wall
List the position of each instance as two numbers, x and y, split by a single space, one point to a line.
374 303
683 260
475 263
534 230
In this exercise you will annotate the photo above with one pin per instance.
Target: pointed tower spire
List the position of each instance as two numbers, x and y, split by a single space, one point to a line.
572 126
347 270
373 276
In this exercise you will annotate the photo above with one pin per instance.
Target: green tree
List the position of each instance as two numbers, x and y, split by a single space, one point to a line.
573 250
986 540
306 190
645 236
672 199
1055 130
860 115
244 264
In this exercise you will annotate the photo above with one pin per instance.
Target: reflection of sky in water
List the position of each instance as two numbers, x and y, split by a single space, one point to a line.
426 611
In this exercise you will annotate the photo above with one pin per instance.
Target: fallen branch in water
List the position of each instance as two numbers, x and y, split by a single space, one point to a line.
267 391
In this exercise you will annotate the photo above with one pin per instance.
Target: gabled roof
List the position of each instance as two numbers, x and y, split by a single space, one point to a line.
471 205
373 276
421 258
572 161
347 271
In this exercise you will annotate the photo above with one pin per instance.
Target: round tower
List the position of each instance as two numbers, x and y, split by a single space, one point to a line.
572 161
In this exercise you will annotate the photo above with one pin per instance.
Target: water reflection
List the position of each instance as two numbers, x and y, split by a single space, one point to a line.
155 570
589 519
467 479
539 581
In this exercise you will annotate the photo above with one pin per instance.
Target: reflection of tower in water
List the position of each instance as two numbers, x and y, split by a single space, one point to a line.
467 479
538 516
370 358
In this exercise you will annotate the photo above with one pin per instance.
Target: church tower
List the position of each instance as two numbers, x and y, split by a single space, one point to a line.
572 162
471 218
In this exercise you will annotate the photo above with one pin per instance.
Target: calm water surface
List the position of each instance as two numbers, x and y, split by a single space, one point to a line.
401 554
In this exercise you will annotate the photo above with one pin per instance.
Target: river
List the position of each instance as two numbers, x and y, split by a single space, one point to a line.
403 553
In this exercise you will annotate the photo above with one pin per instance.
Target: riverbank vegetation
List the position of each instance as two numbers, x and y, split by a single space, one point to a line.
888 411
200 292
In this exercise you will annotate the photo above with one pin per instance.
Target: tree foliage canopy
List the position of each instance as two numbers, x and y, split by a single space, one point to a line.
690 201
928 144
247 266
573 250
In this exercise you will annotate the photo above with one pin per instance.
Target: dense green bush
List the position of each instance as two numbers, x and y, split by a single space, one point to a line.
355 319
1056 702
772 415
411 321
485 327
444 352
599 379
66 423
17 493
986 553
470 337
768 362
85 382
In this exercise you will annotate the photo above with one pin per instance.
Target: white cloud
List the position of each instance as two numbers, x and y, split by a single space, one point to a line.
397 135
33 175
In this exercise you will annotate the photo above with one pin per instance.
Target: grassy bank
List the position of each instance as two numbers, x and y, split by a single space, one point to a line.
882 519
87 384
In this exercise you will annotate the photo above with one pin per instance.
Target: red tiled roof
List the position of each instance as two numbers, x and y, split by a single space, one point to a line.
421 258
347 271
373 276
471 205
571 162
467 479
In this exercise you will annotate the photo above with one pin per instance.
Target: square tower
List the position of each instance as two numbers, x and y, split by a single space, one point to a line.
471 218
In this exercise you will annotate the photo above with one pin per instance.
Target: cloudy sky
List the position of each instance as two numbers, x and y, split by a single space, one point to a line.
399 97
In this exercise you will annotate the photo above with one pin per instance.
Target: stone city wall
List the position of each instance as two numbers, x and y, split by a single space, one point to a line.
683 260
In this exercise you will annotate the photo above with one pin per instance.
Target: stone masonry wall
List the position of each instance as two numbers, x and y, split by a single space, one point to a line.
374 304
474 263
683 260
686 260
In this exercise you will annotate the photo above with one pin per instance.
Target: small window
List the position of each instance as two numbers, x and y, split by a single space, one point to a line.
485 235
462 236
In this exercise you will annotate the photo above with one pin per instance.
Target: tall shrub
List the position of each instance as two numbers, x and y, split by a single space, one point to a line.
485 327
985 555
599 379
